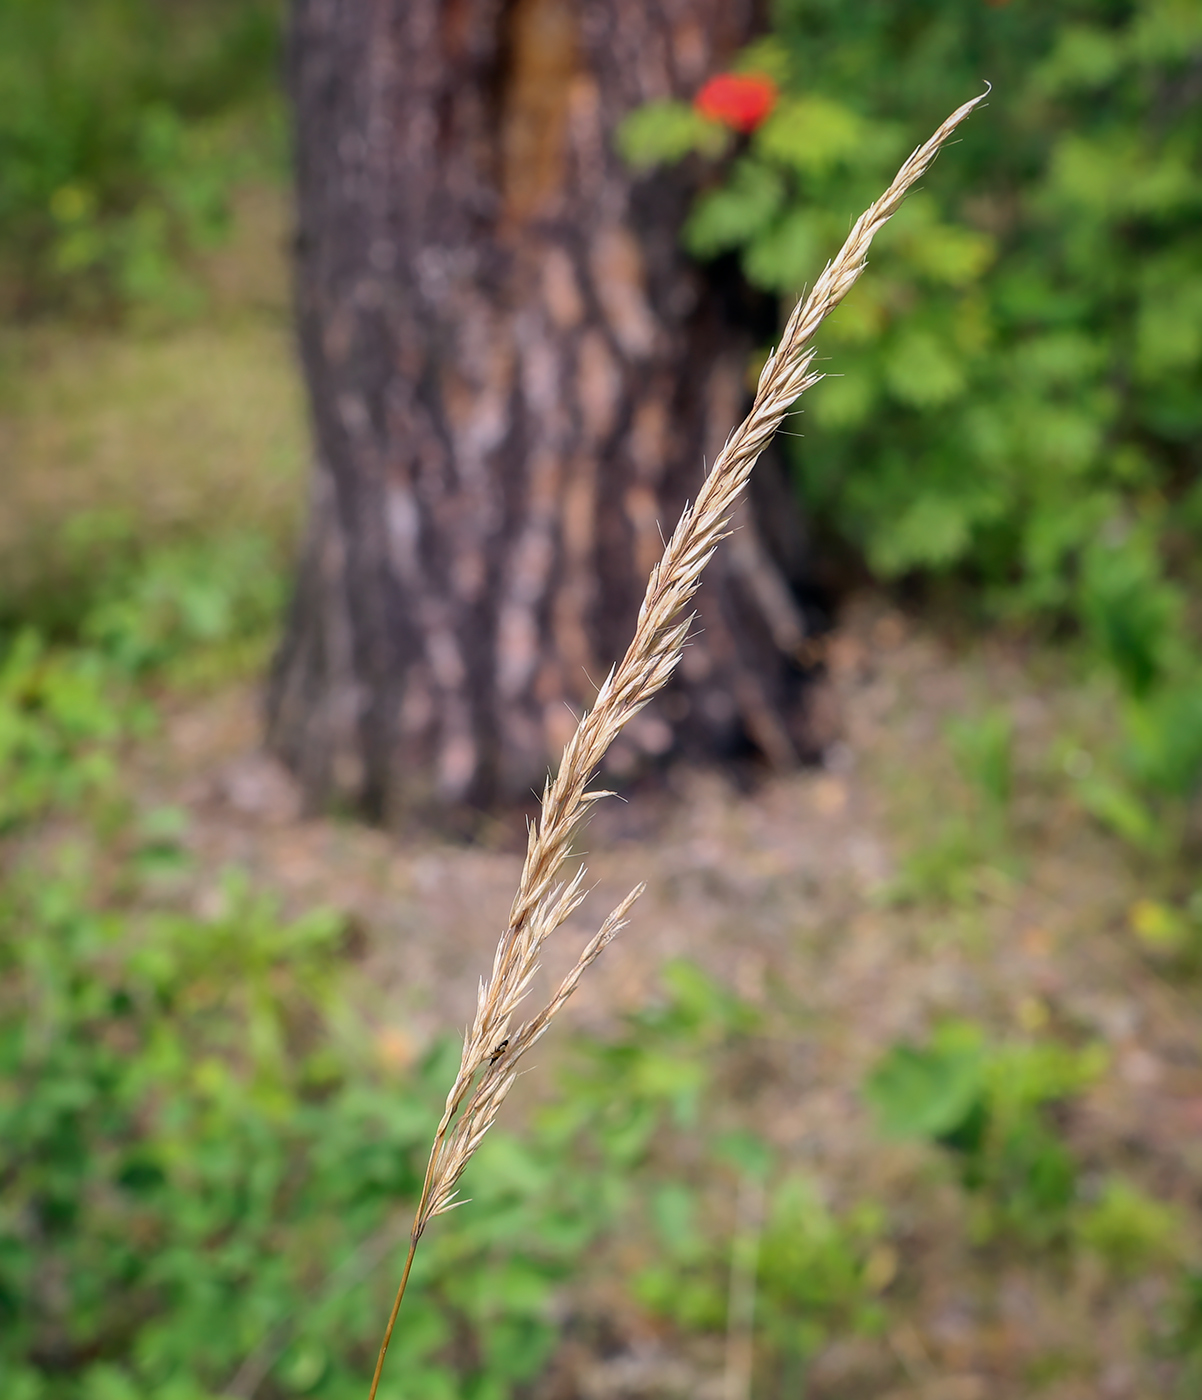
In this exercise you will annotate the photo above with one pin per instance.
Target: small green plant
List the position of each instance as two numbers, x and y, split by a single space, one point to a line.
629 1089
1170 931
1185 1333
189 614
812 1275
983 747
1127 1229
988 1105
947 866
942 869
644 1102
192 612
62 715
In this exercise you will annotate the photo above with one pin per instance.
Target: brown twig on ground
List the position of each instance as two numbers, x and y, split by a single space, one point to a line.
495 1044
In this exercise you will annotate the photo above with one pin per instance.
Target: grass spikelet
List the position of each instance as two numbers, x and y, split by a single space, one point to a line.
497 1039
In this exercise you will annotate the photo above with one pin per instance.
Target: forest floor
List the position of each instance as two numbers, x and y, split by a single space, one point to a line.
856 905
844 903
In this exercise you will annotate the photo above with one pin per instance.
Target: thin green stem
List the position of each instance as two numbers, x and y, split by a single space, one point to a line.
396 1307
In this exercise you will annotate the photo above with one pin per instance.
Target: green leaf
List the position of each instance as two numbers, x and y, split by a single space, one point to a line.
1084 59
785 255
922 371
931 1092
1123 811
934 531
768 55
1164 735
810 134
661 133
727 217
674 1211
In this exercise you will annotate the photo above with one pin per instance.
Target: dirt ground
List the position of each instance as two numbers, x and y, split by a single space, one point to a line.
787 892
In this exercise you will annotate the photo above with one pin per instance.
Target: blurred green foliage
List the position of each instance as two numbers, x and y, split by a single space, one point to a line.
208 1153
1185 1336
61 717
195 613
123 125
208 1149
192 611
1015 397
634 1096
209 1161
1170 932
206 1171
992 1106
211 1134
814 1268
966 848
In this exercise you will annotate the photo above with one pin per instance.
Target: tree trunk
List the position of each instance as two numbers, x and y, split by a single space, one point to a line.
515 377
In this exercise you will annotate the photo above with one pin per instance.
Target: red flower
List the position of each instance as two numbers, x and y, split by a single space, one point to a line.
741 101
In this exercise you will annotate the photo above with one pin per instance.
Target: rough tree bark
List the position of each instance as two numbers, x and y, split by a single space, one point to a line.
515 376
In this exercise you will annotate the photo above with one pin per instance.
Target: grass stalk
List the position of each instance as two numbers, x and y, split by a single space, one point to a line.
392 1317
744 1272
497 1040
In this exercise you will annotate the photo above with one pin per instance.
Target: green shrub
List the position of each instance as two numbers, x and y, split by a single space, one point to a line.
1028 426
811 1269
117 145
988 1106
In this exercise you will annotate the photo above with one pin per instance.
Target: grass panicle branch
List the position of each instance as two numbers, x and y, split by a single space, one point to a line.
497 1040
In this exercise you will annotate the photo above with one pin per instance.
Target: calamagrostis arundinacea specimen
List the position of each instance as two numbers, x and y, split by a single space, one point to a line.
497 1041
